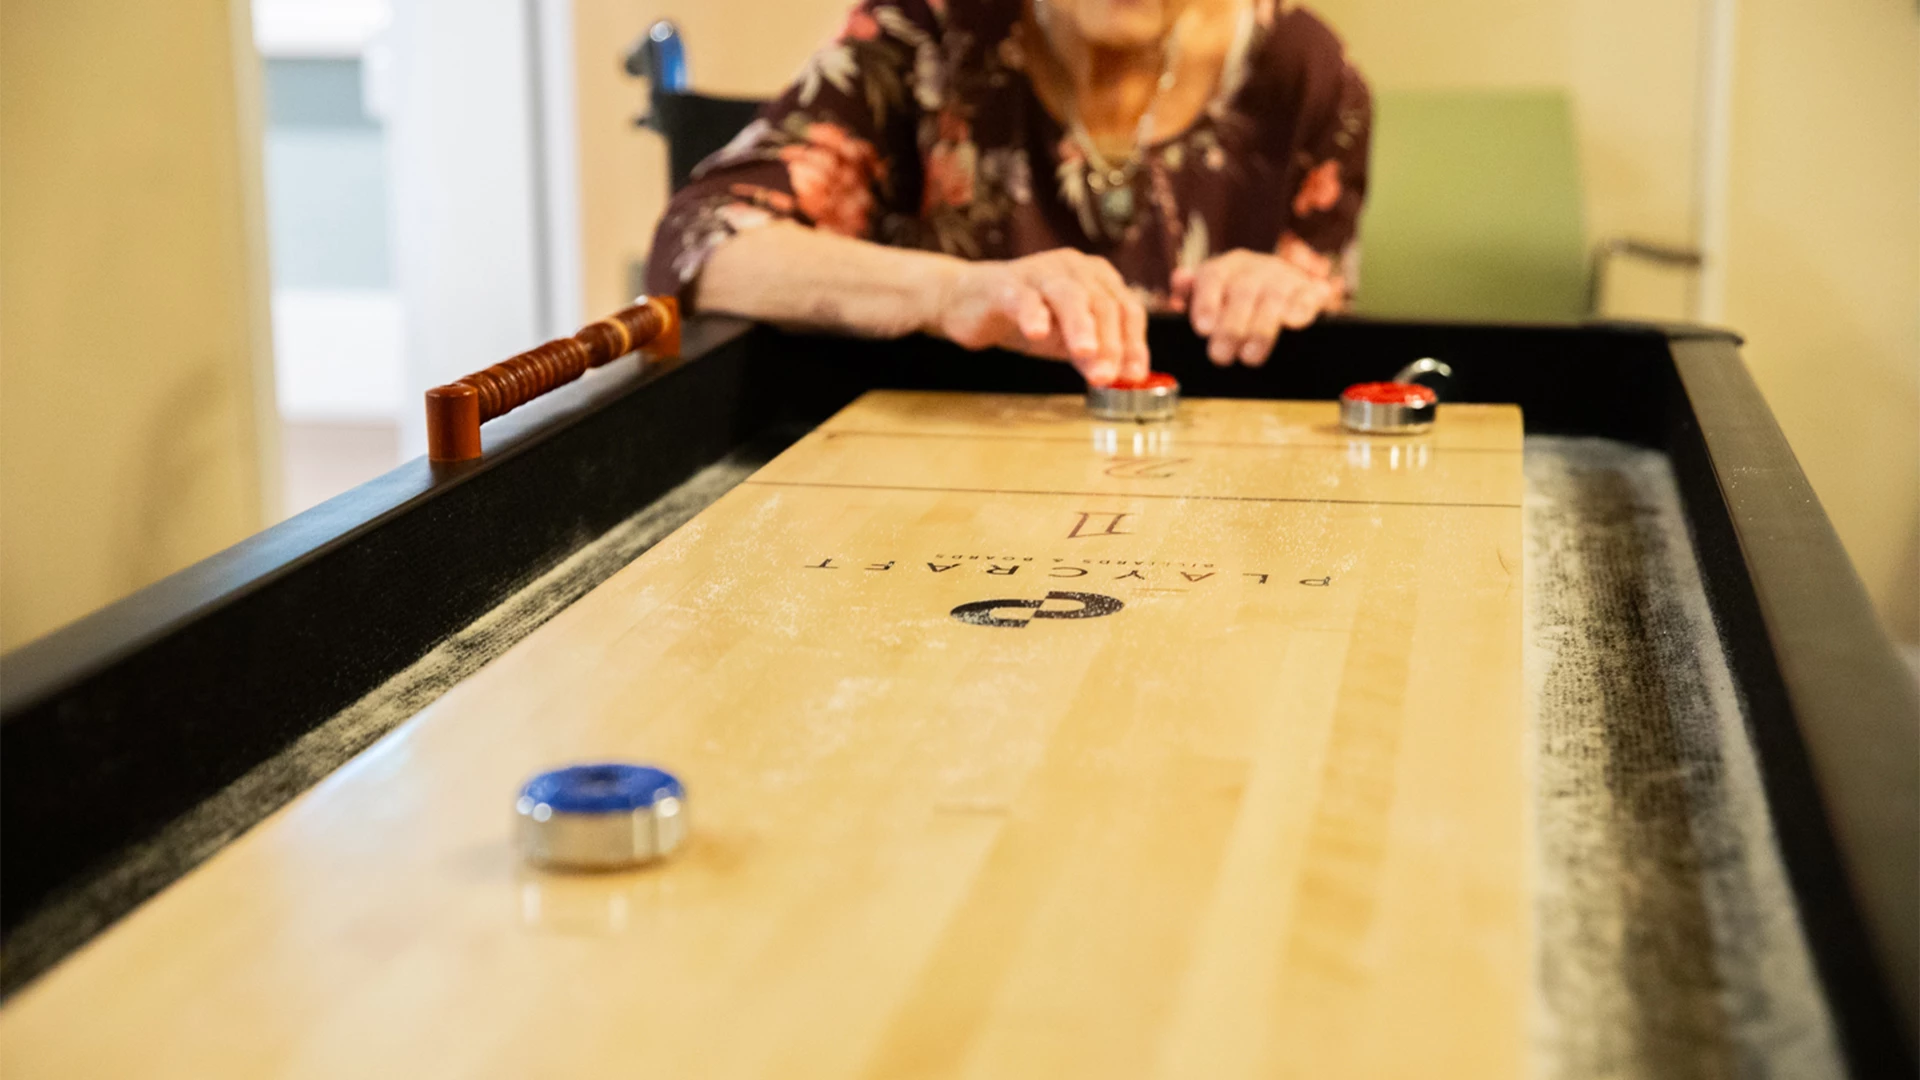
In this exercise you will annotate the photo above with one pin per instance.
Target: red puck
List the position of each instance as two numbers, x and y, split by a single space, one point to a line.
1390 393
1388 408
1153 380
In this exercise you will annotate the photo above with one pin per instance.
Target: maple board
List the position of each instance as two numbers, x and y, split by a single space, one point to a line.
1017 744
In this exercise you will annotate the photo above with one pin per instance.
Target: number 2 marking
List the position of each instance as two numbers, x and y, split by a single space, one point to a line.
1145 468
1081 528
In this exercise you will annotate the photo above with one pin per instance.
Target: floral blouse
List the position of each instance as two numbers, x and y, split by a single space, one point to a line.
917 127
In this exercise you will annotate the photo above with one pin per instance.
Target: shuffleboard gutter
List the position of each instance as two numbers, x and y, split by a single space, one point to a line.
1834 711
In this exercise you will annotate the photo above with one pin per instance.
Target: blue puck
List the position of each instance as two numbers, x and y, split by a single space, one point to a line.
600 817
602 789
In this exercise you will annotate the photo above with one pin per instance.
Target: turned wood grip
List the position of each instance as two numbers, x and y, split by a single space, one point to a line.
456 411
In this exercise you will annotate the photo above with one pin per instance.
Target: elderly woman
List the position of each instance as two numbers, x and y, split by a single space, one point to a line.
1037 175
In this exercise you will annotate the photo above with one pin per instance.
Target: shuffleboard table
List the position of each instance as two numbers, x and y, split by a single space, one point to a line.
1557 740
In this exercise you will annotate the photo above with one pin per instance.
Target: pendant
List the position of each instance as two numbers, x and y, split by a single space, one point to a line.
1113 193
1116 206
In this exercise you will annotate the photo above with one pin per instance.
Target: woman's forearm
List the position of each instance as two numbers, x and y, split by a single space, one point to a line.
791 275
1061 304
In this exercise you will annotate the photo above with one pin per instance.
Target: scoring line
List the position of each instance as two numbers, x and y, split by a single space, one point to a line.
1173 439
1129 495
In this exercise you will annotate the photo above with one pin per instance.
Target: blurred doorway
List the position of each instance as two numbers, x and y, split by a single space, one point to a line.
421 189
337 315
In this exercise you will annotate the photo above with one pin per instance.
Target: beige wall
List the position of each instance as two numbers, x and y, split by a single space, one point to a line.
1824 263
1630 68
132 317
1823 239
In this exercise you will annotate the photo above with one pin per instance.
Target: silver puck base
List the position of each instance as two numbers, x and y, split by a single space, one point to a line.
1157 397
606 841
1378 418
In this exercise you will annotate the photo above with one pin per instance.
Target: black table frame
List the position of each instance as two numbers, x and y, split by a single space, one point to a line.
121 722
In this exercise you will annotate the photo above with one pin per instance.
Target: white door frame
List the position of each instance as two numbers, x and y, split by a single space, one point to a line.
485 195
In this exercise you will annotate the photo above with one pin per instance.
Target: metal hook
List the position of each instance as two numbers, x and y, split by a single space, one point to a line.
1426 365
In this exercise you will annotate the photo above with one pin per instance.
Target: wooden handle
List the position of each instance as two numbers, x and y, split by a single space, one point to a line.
456 411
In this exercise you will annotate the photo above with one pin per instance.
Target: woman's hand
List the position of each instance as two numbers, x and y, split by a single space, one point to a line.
1060 304
1239 301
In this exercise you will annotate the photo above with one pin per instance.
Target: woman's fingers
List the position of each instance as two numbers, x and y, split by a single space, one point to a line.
1209 289
1305 305
1028 310
1130 316
1180 288
1241 301
1135 359
1236 319
1106 320
1061 304
1073 311
1068 304
1073 314
1263 329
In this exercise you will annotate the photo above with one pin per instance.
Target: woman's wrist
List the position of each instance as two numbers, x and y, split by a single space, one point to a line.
794 275
937 281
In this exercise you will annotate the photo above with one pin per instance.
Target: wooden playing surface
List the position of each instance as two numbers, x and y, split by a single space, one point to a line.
1266 818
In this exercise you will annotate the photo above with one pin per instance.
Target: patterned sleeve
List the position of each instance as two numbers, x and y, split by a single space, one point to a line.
1337 118
834 151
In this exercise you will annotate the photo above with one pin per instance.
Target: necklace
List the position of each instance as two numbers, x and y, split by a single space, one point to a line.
1111 185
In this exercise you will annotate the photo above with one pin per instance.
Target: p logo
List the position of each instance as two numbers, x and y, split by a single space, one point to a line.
1018 613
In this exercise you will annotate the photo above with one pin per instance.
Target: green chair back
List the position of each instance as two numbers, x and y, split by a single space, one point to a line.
1473 208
